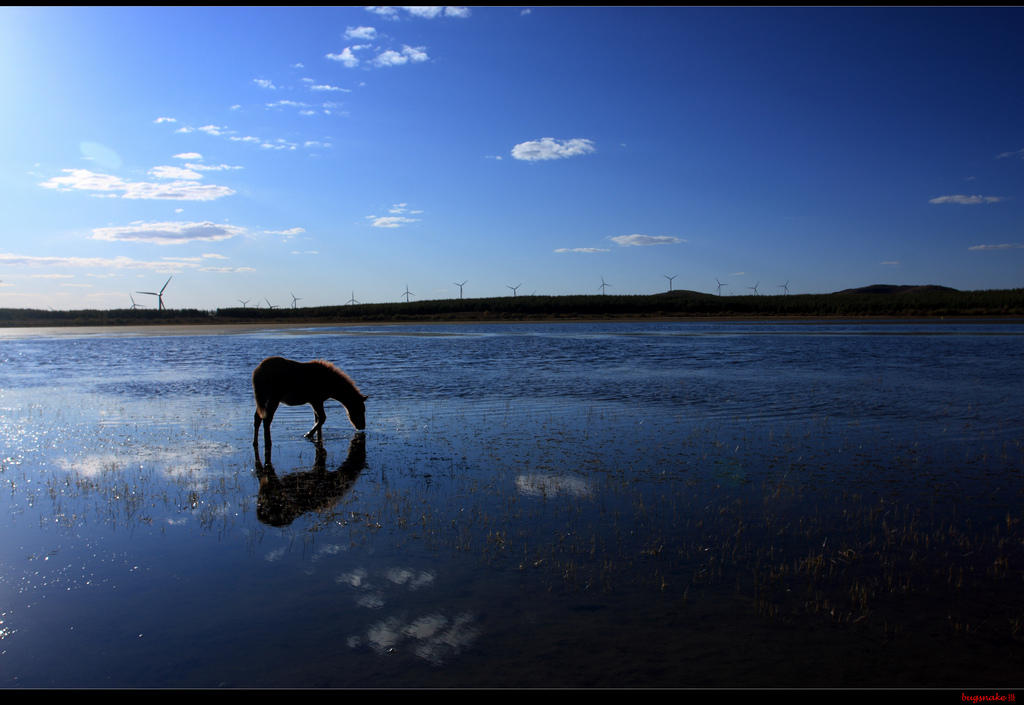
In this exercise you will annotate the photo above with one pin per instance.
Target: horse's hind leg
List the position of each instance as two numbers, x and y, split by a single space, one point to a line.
318 427
268 417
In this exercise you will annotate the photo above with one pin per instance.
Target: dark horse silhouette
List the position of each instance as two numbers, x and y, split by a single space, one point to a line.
282 500
277 380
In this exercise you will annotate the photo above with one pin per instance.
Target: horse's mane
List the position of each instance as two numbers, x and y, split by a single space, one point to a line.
333 369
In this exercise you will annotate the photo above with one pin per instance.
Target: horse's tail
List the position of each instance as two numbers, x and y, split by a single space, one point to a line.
259 392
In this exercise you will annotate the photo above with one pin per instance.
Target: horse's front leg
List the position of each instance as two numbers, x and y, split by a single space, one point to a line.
318 427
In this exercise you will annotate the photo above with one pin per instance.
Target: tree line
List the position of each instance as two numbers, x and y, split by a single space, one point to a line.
913 302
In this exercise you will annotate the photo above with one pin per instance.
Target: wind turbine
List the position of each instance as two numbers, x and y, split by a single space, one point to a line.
460 287
513 288
407 293
247 301
134 305
603 285
754 288
294 300
720 285
269 304
159 295
670 280
785 287
353 299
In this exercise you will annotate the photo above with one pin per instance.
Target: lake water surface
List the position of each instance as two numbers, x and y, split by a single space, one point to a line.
585 504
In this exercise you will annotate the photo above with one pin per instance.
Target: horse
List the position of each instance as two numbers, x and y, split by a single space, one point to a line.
277 380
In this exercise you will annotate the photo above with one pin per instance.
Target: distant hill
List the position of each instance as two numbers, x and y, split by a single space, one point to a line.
901 289
684 293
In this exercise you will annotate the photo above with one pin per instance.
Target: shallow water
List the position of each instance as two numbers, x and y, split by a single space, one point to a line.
691 504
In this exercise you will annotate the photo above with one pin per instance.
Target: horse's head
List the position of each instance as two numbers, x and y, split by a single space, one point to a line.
356 408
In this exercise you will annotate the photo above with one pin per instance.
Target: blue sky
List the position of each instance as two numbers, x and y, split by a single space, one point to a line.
325 153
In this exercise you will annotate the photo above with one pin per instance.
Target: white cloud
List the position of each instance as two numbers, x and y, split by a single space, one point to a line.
212 167
329 88
429 13
289 232
11 260
174 172
274 144
581 249
346 57
360 33
966 200
85 180
214 130
188 155
394 58
1004 246
164 119
264 83
415 54
393 221
278 144
641 240
177 190
893 263
1018 153
384 58
168 233
390 58
549 148
226 270
388 12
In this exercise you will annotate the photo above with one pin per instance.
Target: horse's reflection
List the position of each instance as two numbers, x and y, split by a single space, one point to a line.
284 499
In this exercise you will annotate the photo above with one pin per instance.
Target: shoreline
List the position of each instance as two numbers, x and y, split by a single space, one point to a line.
223 328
